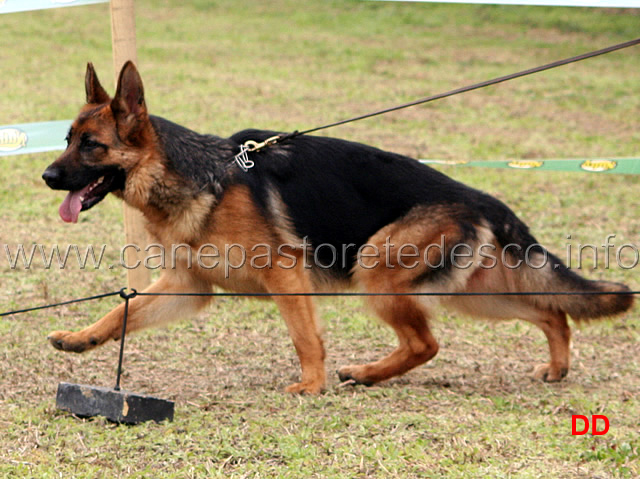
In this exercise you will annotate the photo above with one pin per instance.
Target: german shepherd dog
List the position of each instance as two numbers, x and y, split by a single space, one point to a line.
333 213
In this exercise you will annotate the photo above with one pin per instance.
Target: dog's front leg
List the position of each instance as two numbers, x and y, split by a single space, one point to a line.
144 311
299 314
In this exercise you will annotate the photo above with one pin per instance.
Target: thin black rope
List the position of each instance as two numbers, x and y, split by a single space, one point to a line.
63 303
128 296
356 294
465 89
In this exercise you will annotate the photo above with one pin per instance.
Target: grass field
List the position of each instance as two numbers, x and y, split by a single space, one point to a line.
222 66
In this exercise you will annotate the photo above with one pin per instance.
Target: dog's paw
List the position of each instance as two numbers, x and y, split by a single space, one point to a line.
354 375
70 341
306 388
549 373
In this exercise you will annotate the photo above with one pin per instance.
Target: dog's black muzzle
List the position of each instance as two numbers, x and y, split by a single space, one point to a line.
54 178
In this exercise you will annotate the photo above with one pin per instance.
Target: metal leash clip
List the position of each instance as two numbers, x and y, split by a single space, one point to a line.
242 159
255 146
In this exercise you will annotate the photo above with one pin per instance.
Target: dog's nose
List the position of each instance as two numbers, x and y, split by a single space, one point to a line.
52 177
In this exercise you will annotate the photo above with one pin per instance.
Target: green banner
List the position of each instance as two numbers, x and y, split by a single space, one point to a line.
551 3
33 137
50 135
628 166
11 6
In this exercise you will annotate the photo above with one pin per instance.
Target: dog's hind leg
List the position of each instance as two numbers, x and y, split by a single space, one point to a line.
555 327
397 275
144 311
551 320
416 344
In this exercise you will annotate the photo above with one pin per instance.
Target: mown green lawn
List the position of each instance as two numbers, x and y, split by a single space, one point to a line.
222 66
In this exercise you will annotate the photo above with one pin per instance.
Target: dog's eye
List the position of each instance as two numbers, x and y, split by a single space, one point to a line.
87 143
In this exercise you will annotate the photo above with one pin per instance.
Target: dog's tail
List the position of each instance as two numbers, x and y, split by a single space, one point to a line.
586 300
543 272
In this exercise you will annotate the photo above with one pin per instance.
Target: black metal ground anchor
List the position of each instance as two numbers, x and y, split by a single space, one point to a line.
114 404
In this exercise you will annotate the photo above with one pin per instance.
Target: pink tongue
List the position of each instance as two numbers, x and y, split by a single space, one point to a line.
72 205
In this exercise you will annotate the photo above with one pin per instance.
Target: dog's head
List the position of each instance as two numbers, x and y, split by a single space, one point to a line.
106 141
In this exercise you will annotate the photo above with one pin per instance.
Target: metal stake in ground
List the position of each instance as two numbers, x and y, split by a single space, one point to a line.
114 404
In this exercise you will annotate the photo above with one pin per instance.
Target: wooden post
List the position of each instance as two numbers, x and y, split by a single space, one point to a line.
123 41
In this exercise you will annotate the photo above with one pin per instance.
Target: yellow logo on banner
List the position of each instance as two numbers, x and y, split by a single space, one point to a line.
525 164
12 139
598 165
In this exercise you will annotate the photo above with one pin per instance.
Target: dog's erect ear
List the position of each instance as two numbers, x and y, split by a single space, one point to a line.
129 99
128 106
95 92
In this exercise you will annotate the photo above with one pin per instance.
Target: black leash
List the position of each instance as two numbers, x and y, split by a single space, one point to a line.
250 146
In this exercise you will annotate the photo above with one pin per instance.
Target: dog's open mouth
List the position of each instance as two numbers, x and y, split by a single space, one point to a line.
87 197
